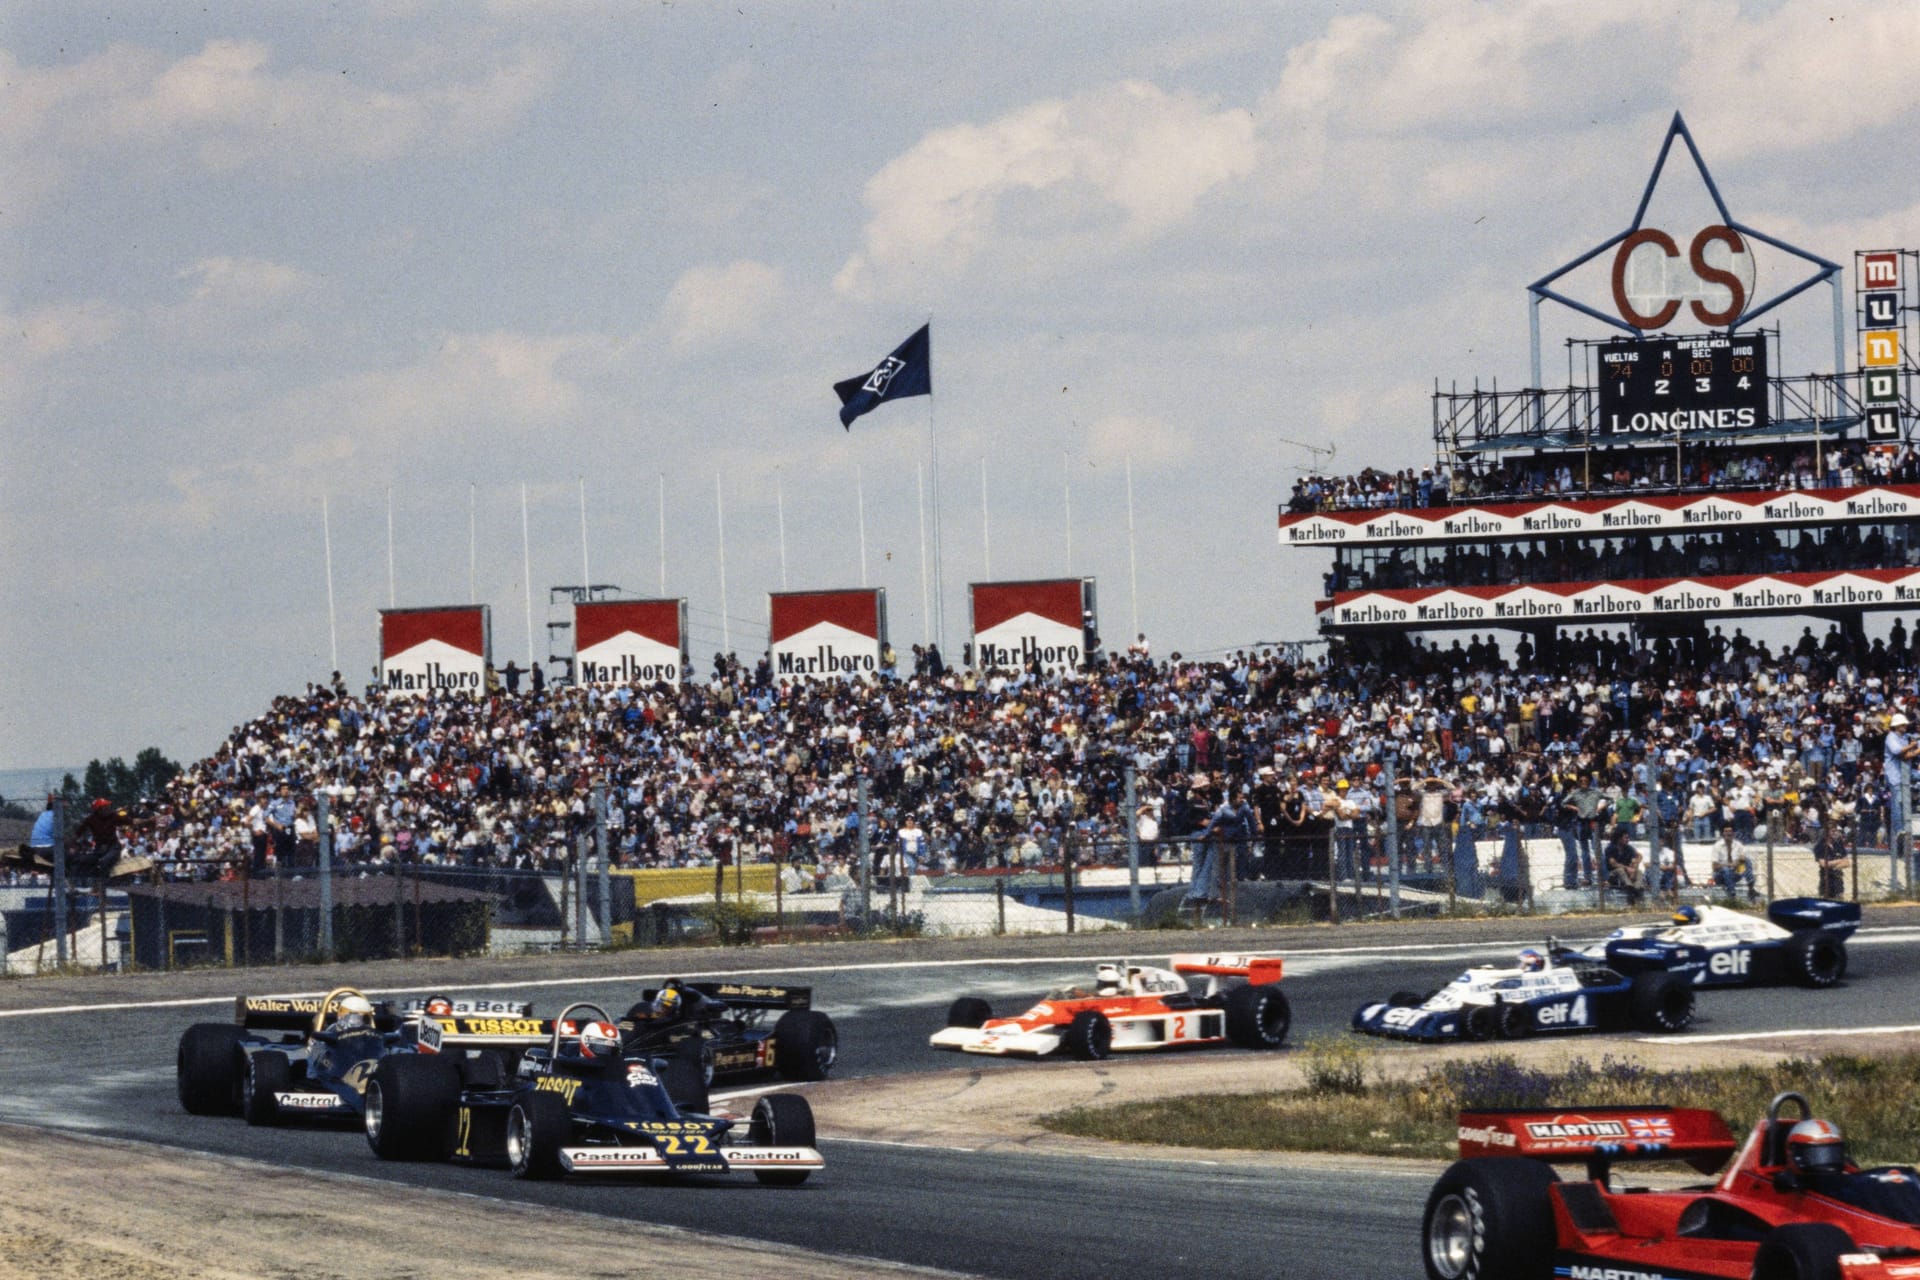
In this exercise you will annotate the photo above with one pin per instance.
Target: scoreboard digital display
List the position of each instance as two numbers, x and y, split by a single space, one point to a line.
1678 385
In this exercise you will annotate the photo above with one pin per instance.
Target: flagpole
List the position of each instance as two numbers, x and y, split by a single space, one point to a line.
390 592
526 557
920 492
860 502
1133 563
933 481
780 506
586 574
1066 487
663 535
720 518
333 626
473 591
986 539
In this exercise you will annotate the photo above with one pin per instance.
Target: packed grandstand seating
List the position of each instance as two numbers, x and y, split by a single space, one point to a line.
1602 473
1004 769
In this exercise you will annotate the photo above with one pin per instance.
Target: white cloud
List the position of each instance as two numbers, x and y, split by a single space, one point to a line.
1148 441
710 305
1052 179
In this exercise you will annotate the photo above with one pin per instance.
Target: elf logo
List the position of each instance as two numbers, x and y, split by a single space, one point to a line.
1730 964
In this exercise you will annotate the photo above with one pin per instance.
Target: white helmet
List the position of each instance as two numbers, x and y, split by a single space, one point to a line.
599 1040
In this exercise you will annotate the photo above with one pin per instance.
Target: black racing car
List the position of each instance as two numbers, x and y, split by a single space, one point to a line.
729 1023
570 1110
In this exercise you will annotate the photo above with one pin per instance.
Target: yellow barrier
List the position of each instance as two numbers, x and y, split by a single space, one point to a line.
653 884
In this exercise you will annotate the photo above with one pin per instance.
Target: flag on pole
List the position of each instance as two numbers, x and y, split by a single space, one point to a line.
907 372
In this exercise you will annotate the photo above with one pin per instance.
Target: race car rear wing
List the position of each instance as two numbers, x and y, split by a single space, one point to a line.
1600 1136
447 1035
1257 970
276 1013
752 995
296 1013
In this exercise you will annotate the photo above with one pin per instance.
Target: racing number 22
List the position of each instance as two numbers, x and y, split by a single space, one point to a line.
684 1144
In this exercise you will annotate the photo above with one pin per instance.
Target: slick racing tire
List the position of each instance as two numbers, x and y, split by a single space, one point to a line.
1660 1002
683 1075
1258 1017
805 1044
411 1106
207 1069
1512 1021
1816 959
1089 1036
968 1011
781 1120
537 1127
1802 1251
1481 1023
1490 1219
268 1073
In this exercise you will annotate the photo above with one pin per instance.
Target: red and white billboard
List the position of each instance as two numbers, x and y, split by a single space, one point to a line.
1016 624
629 641
436 651
817 635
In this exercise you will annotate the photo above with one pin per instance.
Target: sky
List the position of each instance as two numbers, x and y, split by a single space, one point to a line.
262 266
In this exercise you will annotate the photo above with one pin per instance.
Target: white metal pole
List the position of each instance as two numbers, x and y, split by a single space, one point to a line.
986 538
780 506
1133 561
860 504
333 627
663 535
526 557
720 518
473 590
390 591
939 568
586 574
1066 489
920 492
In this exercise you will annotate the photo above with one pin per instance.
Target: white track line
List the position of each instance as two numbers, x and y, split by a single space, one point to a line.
1775 1035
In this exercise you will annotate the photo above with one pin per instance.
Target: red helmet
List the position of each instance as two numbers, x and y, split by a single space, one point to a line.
1815 1146
599 1040
103 803
439 1007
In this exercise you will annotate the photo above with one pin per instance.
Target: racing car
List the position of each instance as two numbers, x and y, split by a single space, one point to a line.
580 1105
1790 1206
1801 940
284 1057
1130 1007
1555 990
728 1022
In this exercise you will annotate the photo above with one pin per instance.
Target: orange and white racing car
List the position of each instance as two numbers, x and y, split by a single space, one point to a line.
1135 1006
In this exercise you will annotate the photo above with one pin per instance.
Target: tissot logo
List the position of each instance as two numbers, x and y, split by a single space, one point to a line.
877 380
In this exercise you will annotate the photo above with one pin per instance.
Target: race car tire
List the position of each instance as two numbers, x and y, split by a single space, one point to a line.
1258 1017
683 1074
483 1071
1490 1219
207 1069
781 1120
1816 959
968 1011
411 1102
1089 1036
1512 1021
268 1072
1660 1002
1802 1251
805 1044
1481 1023
537 1127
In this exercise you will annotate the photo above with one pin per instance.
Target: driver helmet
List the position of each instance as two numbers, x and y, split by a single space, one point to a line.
1815 1146
1532 961
599 1040
101 804
439 1007
1108 980
1686 915
666 1004
352 1012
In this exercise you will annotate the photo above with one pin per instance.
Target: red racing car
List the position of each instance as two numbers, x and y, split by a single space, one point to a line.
1134 1006
1790 1206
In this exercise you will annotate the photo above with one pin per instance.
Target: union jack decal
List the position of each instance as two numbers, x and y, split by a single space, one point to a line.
1650 1130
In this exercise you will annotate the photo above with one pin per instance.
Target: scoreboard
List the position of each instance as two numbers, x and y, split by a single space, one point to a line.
1680 385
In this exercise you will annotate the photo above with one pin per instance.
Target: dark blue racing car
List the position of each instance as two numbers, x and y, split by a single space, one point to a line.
1550 991
1801 940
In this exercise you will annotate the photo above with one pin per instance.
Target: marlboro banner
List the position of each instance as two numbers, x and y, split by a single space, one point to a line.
815 635
436 651
1016 624
1519 606
1673 513
629 641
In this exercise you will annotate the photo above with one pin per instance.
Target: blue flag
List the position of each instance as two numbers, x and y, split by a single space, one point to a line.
907 372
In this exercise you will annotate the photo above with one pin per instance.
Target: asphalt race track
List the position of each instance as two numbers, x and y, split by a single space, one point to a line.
96 1055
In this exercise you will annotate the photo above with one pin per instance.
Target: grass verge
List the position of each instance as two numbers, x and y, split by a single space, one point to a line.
1349 1107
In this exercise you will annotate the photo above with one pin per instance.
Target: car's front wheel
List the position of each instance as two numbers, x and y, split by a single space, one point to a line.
1489 1219
1089 1036
782 1120
268 1074
537 1127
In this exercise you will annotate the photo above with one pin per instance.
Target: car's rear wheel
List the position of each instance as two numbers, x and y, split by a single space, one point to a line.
1802 1251
1489 1219
1089 1036
1661 1002
207 1068
537 1127
1512 1021
782 1120
1816 959
968 1011
1258 1017
410 1106
268 1073
805 1044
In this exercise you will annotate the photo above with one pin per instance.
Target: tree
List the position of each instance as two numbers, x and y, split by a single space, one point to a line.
114 781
